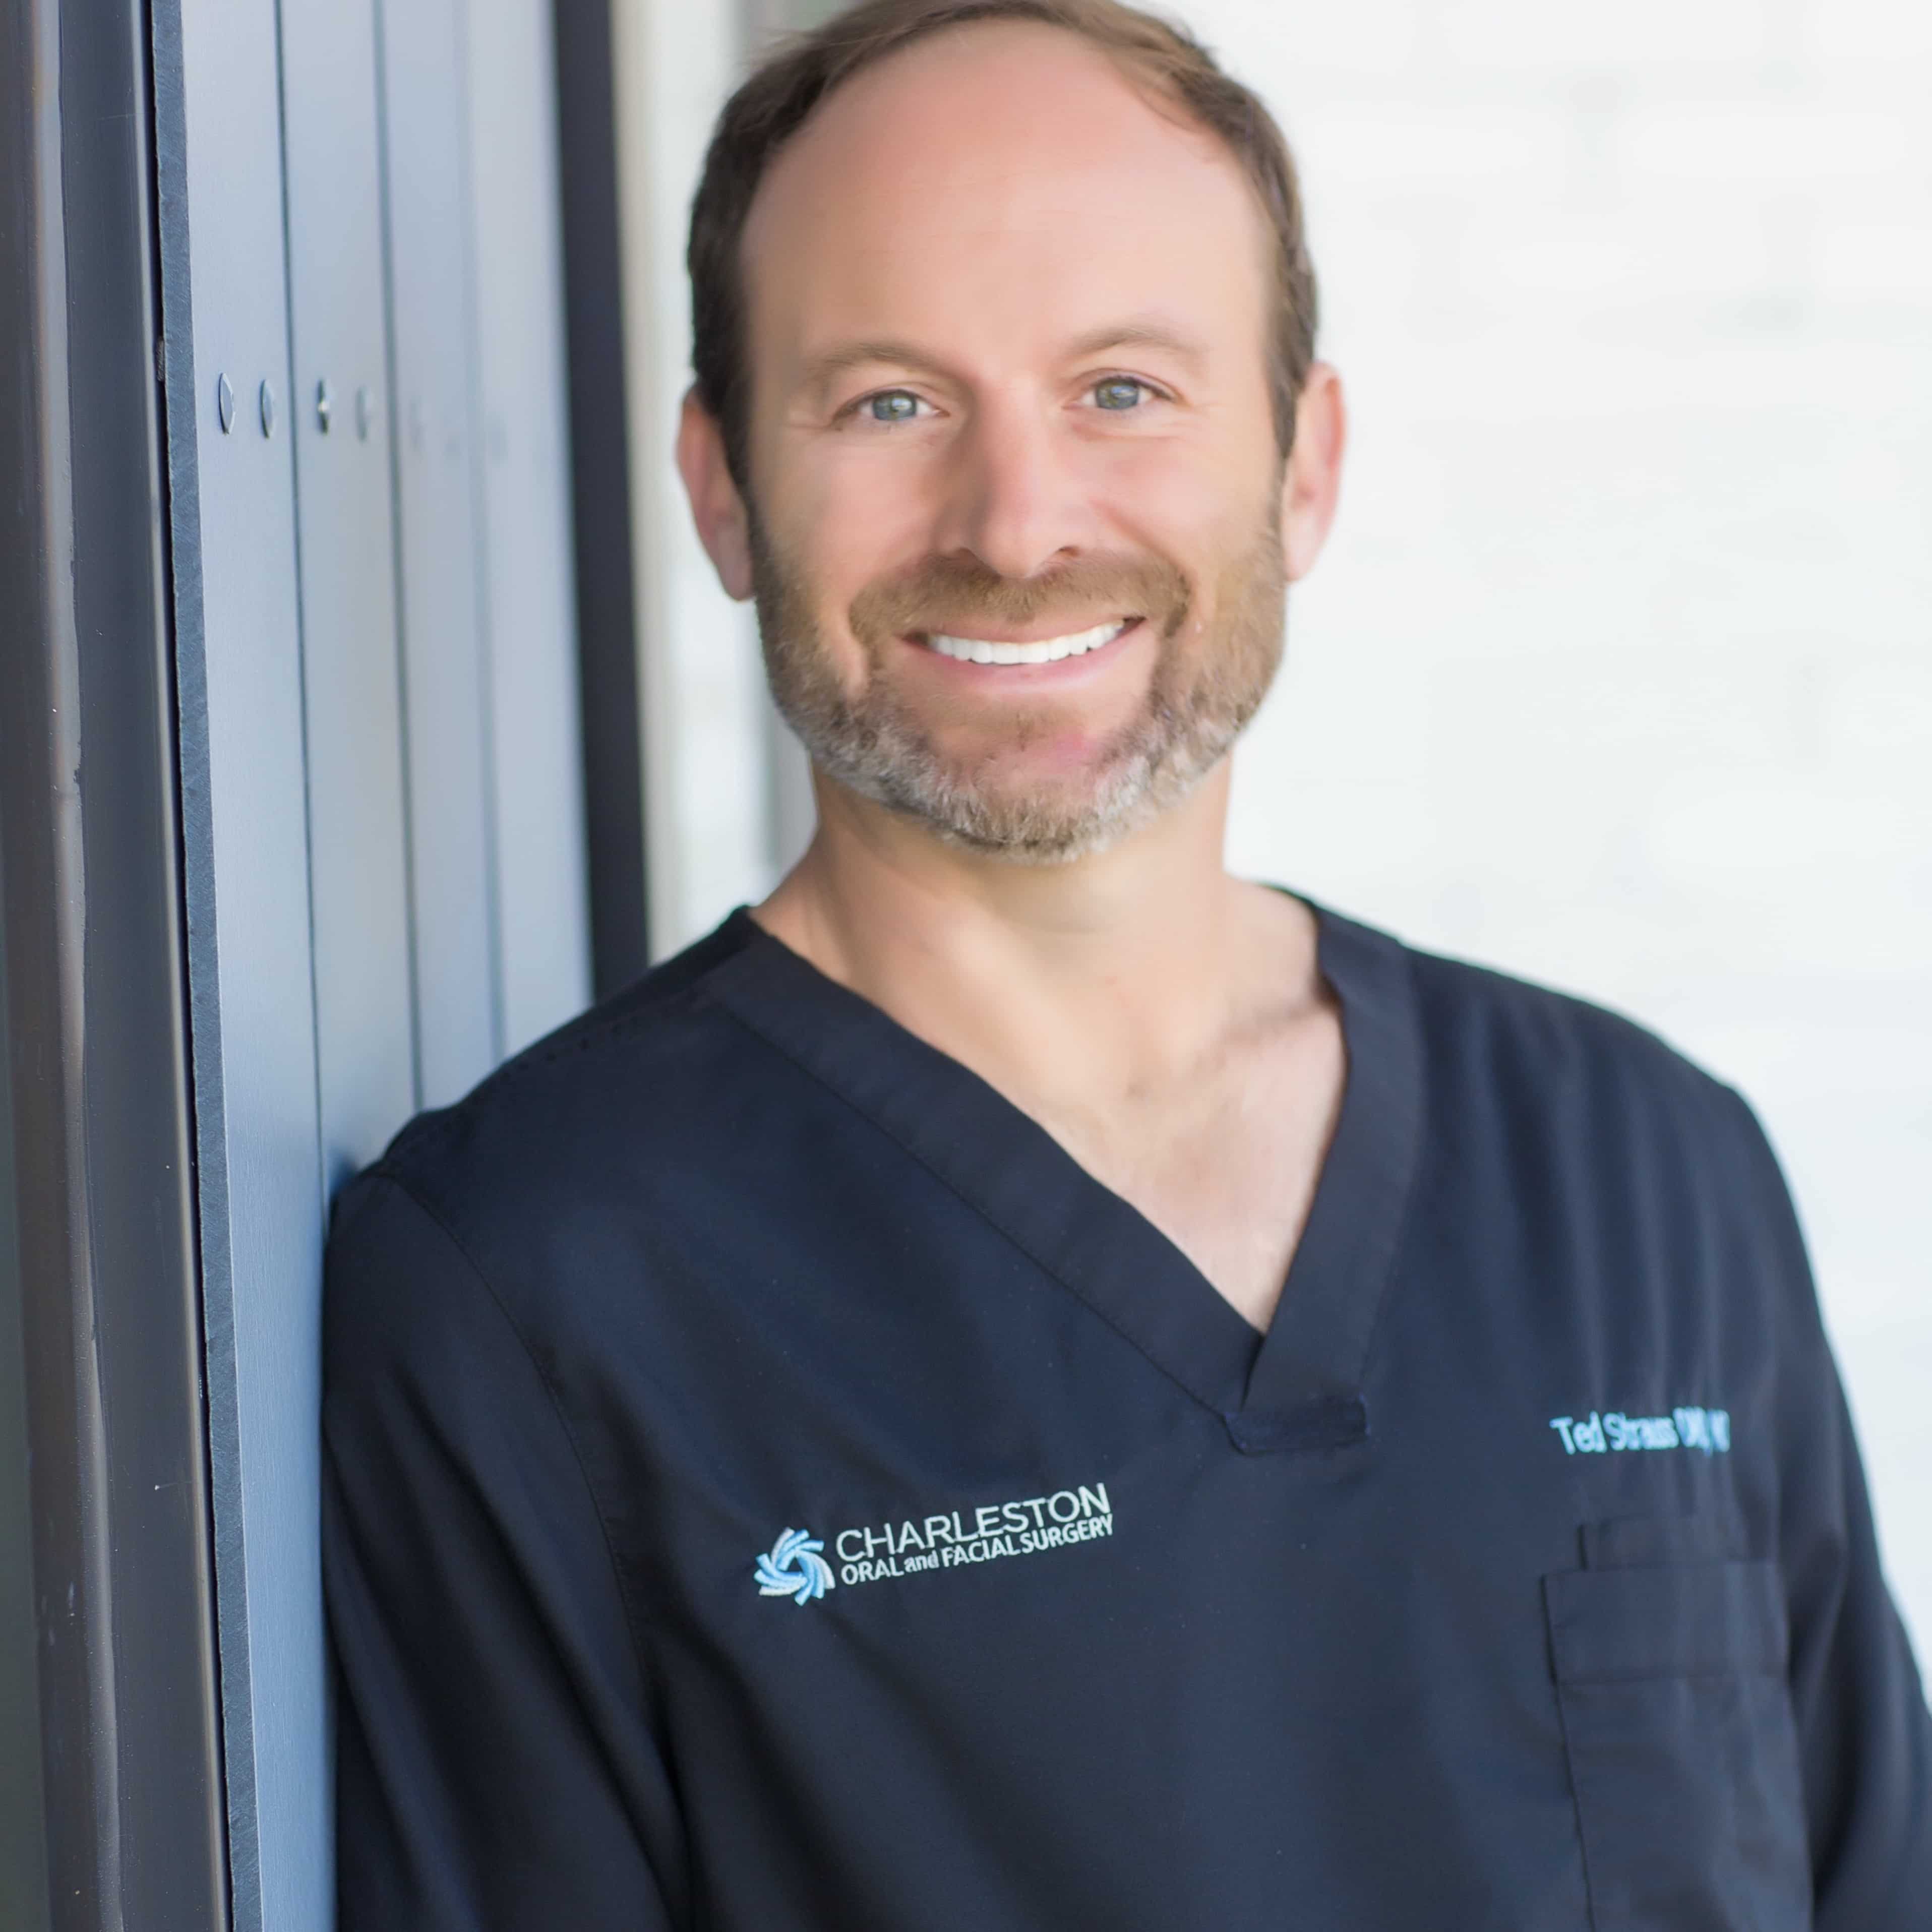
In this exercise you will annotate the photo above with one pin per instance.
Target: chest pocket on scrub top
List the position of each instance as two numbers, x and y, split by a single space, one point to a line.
1683 1753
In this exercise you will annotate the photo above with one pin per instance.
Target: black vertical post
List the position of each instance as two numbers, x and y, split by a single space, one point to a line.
101 1389
613 766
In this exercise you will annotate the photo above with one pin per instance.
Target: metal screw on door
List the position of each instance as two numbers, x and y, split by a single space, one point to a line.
267 408
324 406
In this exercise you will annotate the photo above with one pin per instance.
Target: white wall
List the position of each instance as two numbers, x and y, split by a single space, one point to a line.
706 734
1619 673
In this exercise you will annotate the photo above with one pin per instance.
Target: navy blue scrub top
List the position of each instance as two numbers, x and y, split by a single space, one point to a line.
770 1485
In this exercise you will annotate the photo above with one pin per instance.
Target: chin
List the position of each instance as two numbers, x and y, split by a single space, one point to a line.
1049 824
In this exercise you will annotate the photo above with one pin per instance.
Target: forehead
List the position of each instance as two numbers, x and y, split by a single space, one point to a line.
1006 181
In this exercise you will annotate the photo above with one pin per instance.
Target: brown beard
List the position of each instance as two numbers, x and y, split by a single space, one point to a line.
1198 701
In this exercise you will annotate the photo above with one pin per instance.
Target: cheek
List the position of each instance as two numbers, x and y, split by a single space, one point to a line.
1182 508
815 571
843 527
1179 497
874 506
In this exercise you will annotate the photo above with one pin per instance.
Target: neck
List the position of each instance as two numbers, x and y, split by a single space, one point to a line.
1138 957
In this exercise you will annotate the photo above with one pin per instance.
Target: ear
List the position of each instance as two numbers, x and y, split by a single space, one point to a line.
716 507
1314 479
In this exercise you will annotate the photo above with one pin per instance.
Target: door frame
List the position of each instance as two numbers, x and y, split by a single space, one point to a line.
101 1393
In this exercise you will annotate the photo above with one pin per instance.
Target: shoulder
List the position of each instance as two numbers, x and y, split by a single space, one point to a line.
555 1157
1478 1022
1561 1080
638 1042
634 1067
1562 1142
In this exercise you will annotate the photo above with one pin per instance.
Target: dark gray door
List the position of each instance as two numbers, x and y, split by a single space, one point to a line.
294 810
383 814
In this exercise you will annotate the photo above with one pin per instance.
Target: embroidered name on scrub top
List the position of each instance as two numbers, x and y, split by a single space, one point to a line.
1708 1430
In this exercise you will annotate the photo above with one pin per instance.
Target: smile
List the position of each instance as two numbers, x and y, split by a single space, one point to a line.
1046 650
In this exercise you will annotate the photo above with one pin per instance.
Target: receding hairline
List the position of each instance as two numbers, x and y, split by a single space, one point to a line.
1164 101
1136 71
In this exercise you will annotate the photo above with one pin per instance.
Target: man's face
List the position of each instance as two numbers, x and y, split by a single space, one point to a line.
1014 515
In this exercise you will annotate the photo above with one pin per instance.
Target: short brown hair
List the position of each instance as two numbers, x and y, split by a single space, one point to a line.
781 93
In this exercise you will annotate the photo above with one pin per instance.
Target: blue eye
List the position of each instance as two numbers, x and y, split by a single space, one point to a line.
893 406
1118 392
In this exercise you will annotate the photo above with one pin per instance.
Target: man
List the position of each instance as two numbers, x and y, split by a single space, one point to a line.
1026 1383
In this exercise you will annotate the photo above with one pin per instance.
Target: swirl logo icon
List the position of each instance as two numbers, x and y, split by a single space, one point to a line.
794 1567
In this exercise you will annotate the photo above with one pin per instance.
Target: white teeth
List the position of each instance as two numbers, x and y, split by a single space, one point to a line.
1049 650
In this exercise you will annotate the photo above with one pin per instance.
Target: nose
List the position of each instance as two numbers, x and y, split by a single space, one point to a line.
1015 500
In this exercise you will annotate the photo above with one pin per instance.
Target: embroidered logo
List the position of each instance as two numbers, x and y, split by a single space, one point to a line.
795 1566
1027 1526
1708 1430
873 1553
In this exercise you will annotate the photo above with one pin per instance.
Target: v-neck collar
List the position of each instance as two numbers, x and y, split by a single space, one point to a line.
1299 1385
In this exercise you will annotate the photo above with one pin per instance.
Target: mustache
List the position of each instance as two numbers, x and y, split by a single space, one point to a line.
945 594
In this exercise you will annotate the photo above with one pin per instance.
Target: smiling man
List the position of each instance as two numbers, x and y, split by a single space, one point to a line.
1025 1382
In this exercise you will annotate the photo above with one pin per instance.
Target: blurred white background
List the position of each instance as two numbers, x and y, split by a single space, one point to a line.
1618 672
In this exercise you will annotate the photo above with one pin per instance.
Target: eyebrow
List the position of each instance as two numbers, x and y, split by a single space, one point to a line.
822 370
1140 335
